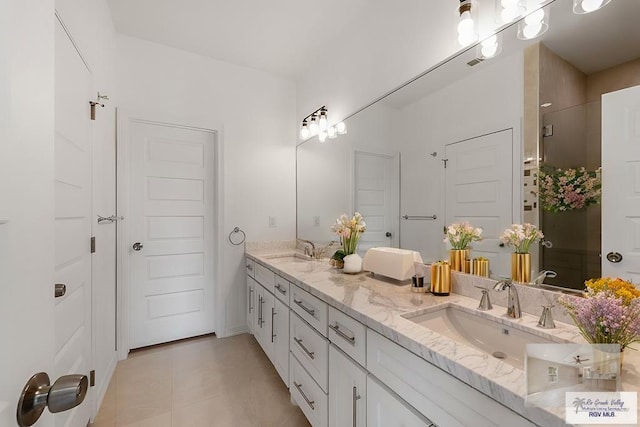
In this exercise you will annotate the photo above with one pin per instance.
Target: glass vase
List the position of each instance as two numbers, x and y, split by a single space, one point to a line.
459 260
521 267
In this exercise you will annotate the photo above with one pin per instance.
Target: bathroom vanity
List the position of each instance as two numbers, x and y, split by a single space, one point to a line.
360 351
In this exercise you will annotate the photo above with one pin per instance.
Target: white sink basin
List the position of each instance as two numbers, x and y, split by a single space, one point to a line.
491 337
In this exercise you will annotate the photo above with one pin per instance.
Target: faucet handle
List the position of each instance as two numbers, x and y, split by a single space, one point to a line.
546 319
485 301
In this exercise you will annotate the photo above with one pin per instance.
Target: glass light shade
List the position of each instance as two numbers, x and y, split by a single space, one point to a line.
466 29
322 123
341 128
304 131
313 127
332 132
490 47
587 6
322 136
534 25
508 11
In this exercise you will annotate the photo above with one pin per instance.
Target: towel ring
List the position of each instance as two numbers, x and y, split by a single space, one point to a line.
237 230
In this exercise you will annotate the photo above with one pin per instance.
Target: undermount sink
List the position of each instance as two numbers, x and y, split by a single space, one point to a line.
491 337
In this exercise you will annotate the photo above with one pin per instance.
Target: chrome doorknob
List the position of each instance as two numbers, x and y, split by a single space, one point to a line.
614 257
67 392
137 246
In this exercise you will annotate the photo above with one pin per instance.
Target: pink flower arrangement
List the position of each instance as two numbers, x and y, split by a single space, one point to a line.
565 190
604 317
460 234
349 231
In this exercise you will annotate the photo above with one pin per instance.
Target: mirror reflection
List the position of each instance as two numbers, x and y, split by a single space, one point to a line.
484 120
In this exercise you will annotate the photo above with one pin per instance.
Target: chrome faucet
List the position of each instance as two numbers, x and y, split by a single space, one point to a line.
309 248
513 301
539 280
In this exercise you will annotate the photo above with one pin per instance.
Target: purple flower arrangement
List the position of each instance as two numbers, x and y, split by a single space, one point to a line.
604 316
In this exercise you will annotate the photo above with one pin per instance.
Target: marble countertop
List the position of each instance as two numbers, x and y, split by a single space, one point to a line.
381 304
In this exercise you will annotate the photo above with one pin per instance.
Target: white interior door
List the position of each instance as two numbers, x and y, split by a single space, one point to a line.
375 178
621 183
479 189
72 226
172 216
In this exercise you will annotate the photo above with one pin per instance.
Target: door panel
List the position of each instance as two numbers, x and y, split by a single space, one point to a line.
479 189
621 183
72 226
171 204
375 177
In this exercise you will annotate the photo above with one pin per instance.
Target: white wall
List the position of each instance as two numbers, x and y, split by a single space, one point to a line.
255 112
26 196
489 99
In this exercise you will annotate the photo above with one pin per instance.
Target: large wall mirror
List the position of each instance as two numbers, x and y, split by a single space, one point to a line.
484 120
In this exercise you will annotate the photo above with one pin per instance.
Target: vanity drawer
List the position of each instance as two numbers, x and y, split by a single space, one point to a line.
349 335
281 289
439 396
311 309
265 277
311 349
309 397
251 267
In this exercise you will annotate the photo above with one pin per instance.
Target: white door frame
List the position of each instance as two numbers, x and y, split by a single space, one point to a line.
123 119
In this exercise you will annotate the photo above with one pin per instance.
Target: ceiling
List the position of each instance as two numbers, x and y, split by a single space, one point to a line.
282 36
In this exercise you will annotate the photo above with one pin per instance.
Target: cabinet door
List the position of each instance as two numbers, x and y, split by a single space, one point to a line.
251 304
385 409
264 323
280 338
347 391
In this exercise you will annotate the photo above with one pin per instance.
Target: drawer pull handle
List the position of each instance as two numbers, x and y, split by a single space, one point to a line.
249 267
250 299
308 310
311 403
260 319
299 342
282 290
337 330
273 313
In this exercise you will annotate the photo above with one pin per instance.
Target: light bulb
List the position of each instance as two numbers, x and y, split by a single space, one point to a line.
466 29
322 136
509 14
341 128
490 47
313 127
304 131
322 123
591 5
332 132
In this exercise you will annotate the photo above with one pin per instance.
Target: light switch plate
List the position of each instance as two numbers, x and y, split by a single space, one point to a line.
272 222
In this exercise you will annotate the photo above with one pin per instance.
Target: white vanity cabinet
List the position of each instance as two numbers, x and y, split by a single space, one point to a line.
384 409
347 391
271 320
251 294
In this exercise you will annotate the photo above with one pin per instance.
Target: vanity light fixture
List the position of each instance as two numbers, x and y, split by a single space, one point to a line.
317 123
467 32
508 11
581 7
534 24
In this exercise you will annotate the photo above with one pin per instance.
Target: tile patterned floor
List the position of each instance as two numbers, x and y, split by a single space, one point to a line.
200 382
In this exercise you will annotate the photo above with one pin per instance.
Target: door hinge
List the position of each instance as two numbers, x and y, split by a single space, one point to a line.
93 244
92 378
444 161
